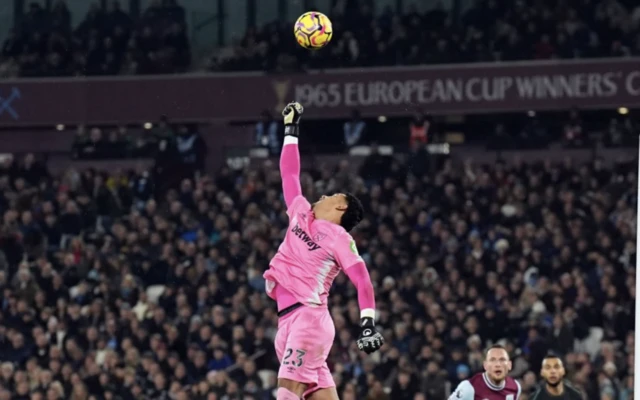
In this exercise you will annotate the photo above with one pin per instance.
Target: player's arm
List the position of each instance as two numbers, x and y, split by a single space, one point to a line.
290 156
519 389
464 391
354 267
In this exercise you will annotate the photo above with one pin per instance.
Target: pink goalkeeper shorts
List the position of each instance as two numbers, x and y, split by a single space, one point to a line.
303 342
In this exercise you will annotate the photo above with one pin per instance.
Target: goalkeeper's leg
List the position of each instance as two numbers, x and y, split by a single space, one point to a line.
290 390
323 394
303 342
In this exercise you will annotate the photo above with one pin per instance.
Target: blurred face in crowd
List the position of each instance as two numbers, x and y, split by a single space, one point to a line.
552 371
330 208
96 134
497 365
6 371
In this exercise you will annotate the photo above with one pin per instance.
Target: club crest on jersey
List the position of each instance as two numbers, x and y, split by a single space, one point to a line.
318 237
296 230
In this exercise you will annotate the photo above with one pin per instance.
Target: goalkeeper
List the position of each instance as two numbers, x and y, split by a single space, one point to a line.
316 247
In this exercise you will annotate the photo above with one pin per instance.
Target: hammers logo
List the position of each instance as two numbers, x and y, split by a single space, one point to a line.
281 89
6 103
319 236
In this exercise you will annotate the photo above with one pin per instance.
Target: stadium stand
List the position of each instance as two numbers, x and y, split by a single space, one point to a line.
112 290
146 283
488 31
107 42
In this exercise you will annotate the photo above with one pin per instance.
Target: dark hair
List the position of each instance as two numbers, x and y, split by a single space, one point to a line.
552 355
495 346
353 214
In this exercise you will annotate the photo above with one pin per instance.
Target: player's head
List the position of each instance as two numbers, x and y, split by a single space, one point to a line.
497 363
552 370
341 208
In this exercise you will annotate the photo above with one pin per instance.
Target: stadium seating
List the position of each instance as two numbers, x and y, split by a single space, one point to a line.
110 42
107 42
119 291
488 31
143 280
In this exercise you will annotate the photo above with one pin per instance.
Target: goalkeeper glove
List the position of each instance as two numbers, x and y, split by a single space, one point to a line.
370 340
291 114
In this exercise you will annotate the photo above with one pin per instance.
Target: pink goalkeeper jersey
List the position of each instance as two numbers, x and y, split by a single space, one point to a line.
310 257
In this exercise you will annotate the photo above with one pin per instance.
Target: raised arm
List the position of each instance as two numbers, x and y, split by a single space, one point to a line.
290 157
346 254
290 169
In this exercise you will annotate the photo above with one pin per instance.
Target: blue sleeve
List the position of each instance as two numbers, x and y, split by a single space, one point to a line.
464 391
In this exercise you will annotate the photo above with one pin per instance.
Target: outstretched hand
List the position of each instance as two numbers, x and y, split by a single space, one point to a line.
292 113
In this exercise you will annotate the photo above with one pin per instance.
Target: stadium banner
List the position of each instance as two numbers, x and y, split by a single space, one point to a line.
467 88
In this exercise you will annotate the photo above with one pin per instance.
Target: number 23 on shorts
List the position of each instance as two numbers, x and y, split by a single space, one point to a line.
298 361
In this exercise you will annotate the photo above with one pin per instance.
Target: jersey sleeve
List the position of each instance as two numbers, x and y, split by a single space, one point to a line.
290 170
347 257
298 205
519 389
346 252
464 391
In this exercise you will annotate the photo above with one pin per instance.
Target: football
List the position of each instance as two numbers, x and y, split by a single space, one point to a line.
313 30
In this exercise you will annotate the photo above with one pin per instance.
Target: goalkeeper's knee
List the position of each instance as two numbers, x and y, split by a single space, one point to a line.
286 394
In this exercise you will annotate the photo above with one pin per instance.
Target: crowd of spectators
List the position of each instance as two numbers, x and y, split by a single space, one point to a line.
491 30
110 42
571 130
177 150
148 141
115 290
106 42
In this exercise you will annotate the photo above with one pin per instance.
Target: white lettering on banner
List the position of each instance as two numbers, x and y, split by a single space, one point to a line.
320 95
473 89
349 94
469 90
572 86
632 83
397 93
